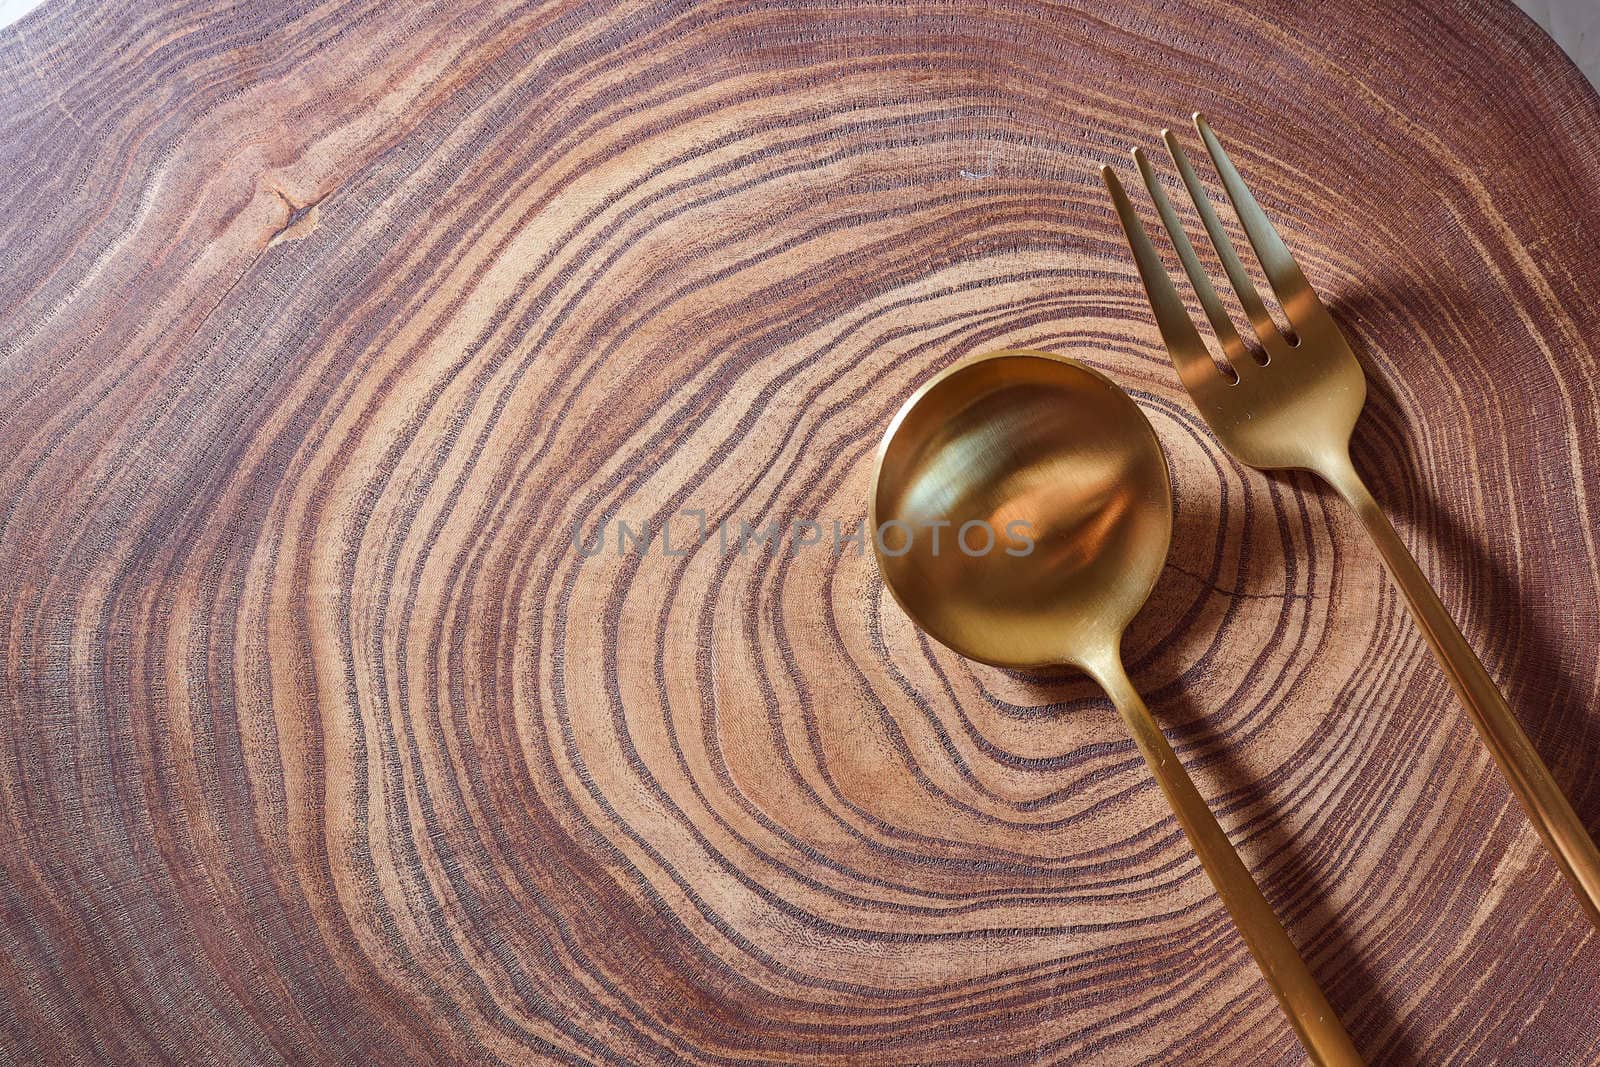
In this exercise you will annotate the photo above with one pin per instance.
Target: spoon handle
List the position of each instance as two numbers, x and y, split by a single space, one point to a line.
1314 1020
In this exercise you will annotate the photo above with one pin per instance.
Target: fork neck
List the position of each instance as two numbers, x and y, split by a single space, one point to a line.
1337 470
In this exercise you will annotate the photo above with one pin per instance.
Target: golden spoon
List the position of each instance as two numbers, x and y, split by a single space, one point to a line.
1021 515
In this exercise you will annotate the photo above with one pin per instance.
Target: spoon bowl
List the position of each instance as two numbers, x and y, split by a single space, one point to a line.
1023 509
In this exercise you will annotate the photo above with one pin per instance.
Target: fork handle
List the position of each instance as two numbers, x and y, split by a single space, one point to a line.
1547 807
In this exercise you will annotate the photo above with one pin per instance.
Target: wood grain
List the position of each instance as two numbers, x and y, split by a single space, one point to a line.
321 741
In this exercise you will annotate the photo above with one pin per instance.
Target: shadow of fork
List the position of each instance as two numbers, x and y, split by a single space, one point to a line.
1533 672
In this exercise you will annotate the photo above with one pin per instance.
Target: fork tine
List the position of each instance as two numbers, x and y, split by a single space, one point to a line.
1249 299
1183 342
1295 295
1232 345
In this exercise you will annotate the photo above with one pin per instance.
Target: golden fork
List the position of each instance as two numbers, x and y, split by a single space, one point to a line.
1297 409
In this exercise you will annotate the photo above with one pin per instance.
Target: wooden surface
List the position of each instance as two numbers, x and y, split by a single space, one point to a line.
320 742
